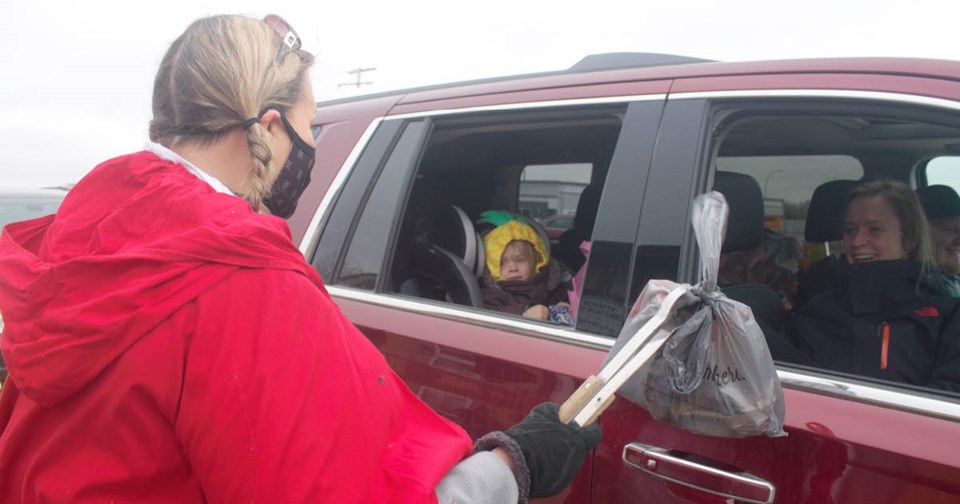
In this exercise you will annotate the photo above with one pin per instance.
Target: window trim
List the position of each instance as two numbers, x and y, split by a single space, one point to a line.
812 382
820 93
607 100
475 316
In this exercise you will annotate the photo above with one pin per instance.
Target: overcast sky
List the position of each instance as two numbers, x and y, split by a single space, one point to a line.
77 75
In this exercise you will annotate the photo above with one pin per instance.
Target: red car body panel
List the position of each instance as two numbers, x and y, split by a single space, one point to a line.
477 377
829 455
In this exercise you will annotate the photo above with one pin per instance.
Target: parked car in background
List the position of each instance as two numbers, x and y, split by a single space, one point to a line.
401 179
557 224
23 204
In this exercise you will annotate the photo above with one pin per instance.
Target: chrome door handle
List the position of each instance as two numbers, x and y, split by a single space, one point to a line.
688 471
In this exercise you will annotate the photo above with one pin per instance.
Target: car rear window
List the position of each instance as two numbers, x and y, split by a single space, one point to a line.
944 170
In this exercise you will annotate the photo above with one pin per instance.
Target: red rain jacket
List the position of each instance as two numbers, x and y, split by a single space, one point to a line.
166 344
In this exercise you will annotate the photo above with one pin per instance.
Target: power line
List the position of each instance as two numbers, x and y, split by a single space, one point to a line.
359 73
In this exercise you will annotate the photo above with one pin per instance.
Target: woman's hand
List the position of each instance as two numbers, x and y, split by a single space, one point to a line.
553 450
538 312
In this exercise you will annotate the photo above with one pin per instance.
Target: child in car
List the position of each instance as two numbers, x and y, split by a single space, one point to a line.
520 277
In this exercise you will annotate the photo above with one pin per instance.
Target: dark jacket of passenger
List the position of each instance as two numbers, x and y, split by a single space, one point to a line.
515 296
818 278
875 323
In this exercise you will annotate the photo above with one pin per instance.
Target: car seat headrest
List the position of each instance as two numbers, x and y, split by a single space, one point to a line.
587 207
448 270
825 214
541 231
939 201
745 223
453 230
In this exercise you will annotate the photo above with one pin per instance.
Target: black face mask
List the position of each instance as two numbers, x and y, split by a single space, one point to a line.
293 178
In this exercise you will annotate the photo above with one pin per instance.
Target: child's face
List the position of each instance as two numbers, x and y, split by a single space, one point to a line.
516 263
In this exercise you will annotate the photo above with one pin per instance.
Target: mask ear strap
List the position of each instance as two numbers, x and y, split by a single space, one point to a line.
286 124
297 139
250 121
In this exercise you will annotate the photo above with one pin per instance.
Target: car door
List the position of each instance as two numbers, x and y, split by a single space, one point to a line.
482 369
849 439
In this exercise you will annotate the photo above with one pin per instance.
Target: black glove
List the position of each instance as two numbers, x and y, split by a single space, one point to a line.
553 451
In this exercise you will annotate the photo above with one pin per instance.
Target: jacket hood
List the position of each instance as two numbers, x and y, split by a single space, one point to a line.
509 228
133 242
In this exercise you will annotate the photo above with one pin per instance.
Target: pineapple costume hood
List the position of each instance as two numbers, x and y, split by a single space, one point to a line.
509 228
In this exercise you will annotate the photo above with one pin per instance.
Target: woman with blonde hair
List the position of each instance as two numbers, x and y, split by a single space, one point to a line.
883 317
167 342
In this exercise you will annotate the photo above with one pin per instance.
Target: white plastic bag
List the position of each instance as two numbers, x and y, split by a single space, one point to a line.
714 374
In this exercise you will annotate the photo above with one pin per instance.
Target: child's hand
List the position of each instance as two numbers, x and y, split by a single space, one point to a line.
560 312
538 312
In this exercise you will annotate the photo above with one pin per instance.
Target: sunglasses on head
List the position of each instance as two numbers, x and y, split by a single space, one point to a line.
289 40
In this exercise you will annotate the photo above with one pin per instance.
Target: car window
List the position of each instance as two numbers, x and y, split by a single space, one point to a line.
365 255
349 201
787 184
943 170
550 193
787 175
531 164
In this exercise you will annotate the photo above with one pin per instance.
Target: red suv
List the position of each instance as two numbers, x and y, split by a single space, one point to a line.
390 222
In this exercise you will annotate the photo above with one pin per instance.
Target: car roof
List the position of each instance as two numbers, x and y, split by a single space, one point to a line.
619 67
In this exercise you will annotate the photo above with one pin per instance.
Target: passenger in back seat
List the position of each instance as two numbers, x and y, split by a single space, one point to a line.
520 278
942 206
881 319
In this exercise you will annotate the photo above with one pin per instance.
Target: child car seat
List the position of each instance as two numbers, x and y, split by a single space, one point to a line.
448 258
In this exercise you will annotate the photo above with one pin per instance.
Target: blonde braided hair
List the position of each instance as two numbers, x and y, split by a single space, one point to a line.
260 177
219 73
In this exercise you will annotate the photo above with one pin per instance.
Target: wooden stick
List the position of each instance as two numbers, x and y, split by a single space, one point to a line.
579 398
602 398
596 414
596 393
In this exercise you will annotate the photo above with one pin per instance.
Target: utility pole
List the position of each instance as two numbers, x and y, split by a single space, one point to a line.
359 73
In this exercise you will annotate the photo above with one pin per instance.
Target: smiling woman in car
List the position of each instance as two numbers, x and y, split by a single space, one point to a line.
884 317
